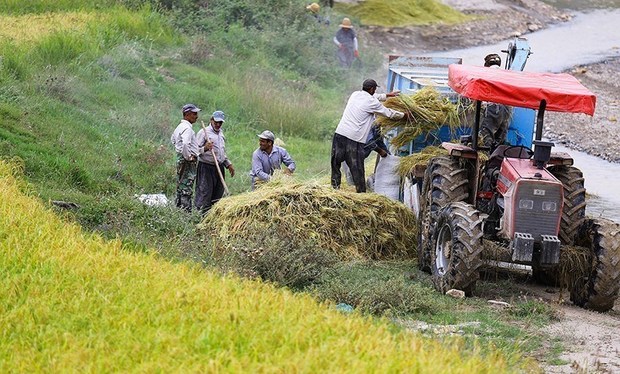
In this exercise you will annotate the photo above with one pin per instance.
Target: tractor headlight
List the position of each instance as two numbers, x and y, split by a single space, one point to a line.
549 206
526 204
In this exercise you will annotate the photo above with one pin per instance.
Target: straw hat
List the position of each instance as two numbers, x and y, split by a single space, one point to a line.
346 23
314 7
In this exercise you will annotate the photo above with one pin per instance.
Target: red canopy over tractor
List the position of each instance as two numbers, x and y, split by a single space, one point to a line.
562 92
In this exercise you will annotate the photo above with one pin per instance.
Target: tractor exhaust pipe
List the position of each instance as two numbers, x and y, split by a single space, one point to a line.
542 153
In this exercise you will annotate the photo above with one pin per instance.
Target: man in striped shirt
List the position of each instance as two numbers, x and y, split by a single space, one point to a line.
209 186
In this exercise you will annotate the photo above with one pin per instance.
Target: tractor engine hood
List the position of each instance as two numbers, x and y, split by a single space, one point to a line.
533 200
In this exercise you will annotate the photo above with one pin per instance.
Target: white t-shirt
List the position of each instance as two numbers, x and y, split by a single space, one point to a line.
359 115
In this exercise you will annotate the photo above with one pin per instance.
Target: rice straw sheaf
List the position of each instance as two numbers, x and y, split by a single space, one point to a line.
408 163
351 225
429 112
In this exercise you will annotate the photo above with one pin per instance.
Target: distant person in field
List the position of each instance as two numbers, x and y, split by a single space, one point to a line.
495 121
315 9
269 158
209 186
351 135
184 140
346 41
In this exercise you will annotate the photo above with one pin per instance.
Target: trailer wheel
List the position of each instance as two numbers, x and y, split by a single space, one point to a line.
457 245
574 211
599 289
445 181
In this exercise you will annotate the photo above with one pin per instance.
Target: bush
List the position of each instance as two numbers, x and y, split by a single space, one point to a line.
380 287
281 259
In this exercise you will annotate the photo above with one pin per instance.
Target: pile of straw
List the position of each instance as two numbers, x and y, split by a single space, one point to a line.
429 110
352 226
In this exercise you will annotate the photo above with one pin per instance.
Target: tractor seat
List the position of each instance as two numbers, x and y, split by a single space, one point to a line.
496 158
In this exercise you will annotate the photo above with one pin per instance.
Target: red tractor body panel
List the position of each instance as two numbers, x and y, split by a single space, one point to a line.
533 199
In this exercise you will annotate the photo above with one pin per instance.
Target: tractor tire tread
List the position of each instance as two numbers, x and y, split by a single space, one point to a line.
600 289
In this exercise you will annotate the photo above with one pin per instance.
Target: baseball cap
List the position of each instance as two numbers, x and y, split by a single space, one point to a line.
218 116
190 108
369 83
267 135
492 59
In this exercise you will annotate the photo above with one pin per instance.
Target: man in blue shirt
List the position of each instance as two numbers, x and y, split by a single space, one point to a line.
267 158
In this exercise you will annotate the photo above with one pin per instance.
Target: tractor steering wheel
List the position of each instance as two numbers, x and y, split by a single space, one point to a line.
510 153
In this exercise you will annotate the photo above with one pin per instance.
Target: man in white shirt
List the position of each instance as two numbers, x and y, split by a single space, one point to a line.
183 139
209 186
352 132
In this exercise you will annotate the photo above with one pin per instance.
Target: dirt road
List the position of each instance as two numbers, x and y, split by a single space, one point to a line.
590 340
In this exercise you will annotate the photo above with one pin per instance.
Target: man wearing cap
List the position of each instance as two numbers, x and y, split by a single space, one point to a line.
267 158
184 140
346 40
209 186
353 129
494 125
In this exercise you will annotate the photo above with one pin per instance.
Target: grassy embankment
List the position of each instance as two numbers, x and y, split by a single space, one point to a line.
90 99
88 102
73 301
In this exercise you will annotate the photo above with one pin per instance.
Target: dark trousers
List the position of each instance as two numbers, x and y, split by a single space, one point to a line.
209 187
351 152
494 126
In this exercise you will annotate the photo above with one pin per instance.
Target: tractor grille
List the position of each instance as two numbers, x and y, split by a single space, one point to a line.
531 199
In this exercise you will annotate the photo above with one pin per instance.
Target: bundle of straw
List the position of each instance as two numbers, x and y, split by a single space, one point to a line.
429 112
408 163
352 226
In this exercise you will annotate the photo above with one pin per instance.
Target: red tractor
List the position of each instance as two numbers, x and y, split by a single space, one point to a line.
530 203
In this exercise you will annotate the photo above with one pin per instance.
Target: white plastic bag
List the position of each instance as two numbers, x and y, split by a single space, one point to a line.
387 180
411 196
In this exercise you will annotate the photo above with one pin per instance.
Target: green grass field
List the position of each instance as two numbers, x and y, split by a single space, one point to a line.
72 301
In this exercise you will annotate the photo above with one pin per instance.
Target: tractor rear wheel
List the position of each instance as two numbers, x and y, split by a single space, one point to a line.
598 289
456 248
445 181
574 211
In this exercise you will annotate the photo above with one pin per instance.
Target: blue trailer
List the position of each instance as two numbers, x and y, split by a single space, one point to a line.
410 74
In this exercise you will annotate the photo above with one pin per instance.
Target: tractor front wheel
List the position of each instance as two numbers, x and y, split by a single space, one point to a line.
445 181
599 287
456 248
